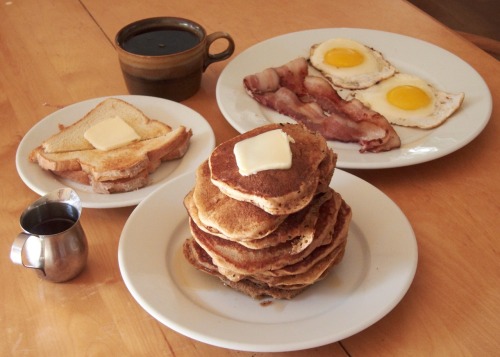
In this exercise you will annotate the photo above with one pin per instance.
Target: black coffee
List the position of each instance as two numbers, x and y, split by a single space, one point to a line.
50 218
160 42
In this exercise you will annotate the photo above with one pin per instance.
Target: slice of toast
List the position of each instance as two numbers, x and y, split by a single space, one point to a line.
126 162
69 155
71 138
113 186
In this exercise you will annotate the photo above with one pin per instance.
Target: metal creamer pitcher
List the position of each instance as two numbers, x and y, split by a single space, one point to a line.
53 241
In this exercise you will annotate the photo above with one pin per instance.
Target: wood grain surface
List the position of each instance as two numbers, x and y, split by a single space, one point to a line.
54 53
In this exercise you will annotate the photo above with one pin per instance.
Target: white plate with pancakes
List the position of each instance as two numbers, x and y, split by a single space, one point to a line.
172 113
437 66
378 267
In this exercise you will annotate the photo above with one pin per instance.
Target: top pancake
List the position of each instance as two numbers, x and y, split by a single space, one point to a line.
277 192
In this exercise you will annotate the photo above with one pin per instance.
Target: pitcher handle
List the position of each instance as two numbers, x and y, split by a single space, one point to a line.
16 252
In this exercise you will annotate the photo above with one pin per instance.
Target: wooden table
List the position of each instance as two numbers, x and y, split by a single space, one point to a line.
54 53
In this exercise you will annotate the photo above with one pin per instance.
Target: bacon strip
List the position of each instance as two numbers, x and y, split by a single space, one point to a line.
311 100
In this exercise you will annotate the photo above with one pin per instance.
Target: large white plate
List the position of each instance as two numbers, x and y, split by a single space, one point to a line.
174 114
439 67
377 269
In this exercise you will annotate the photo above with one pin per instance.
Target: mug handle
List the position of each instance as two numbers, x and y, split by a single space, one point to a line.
211 58
16 251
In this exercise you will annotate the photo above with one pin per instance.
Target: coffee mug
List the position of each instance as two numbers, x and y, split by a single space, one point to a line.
166 56
53 241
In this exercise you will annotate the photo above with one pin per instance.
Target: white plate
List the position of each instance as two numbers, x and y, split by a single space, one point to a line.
174 114
439 67
377 270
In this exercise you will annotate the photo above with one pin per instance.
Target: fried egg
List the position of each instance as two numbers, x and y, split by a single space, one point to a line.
408 100
349 64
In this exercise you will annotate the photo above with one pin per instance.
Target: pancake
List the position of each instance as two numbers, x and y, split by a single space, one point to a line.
314 266
218 214
232 256
297 277
339 240
316 273
260 291
299 226
275 191
199 258
326 169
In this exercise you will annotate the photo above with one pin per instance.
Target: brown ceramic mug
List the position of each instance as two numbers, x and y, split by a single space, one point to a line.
166 56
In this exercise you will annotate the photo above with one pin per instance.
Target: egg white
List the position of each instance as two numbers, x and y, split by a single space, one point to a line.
442 105
373 69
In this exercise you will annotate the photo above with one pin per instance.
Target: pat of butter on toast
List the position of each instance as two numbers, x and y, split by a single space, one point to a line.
110 134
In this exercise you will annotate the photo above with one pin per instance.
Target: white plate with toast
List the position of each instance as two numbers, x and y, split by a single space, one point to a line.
439 67
378 267
172 113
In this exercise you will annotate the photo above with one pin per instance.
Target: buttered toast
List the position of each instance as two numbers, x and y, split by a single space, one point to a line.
69 155
71 138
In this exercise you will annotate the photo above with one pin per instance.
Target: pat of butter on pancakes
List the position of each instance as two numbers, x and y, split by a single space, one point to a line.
267 151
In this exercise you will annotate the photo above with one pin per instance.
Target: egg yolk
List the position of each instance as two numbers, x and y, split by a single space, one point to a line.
408 97
344 57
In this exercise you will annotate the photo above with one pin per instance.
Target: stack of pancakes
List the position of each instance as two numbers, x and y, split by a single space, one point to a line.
272 233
